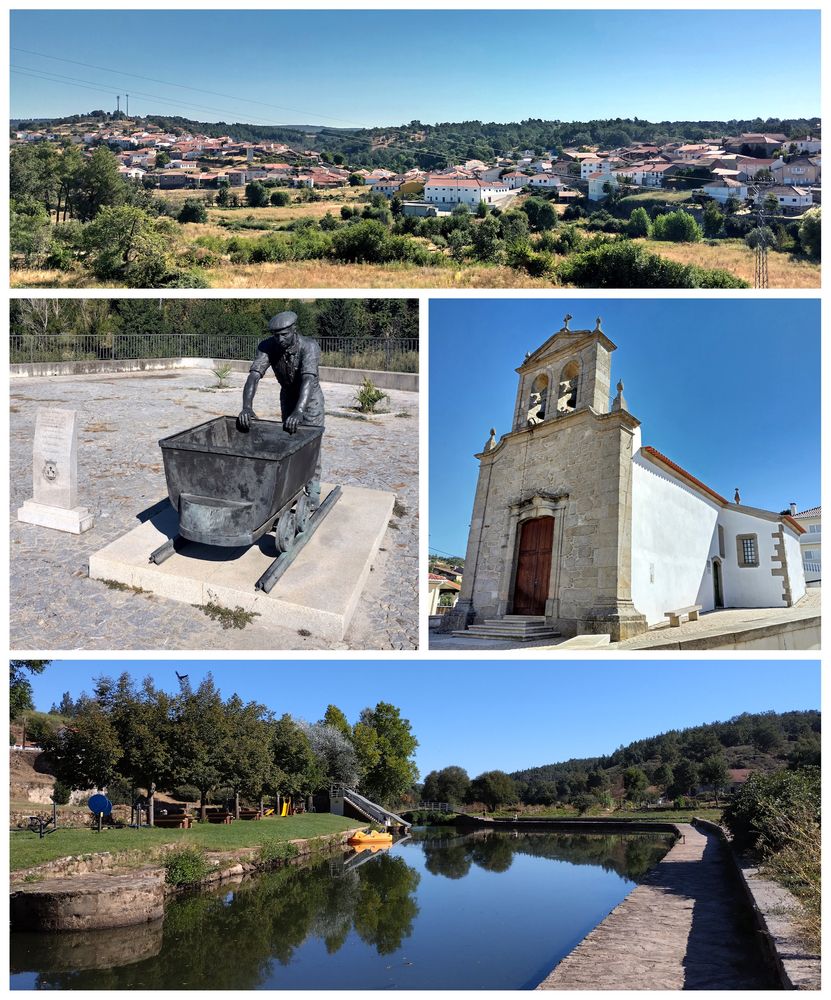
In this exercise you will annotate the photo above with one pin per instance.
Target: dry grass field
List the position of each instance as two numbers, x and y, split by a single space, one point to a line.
734 256
326 274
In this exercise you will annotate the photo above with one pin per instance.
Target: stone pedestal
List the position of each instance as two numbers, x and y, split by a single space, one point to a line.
620 621
55 475
75 520
319 592
458 618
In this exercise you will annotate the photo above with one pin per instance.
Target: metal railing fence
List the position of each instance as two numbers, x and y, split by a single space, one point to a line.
398 354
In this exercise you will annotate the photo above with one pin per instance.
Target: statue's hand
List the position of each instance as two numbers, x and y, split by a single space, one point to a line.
293 421
245 418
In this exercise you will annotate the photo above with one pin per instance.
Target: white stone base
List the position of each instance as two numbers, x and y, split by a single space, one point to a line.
75 520
319 591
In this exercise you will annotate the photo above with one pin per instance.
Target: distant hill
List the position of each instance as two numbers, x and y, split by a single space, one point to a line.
429 146
765 741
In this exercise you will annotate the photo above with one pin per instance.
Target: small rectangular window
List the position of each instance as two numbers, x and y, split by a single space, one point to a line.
747 550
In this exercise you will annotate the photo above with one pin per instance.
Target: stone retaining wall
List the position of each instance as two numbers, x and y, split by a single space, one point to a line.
773 908
58 900
405 381
797 633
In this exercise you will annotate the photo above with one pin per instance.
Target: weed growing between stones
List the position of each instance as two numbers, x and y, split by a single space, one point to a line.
369 396
117 585
228 617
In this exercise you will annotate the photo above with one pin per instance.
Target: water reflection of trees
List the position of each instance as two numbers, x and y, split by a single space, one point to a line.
629 855
230 939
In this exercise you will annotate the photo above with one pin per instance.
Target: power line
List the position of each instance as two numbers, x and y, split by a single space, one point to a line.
184 86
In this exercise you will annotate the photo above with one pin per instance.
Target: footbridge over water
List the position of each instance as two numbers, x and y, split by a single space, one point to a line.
345 801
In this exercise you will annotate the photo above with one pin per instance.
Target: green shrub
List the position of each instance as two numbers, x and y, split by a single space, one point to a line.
193 210
186 279
280 198
678 227
185 866
759 235
639 224
277 851
61 793
754 815
810 233
369 396
624 264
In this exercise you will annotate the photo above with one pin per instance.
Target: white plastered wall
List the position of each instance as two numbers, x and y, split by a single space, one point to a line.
674 534
750 586
675 538
796 569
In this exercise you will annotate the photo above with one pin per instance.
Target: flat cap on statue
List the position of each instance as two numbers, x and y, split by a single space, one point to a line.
282 321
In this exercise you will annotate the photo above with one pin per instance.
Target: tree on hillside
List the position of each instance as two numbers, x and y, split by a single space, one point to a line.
20 687
385 745
810 233
634 783
492 789
686 779
99 185
450 784
256 194
663 776
162 158
713 219
714 772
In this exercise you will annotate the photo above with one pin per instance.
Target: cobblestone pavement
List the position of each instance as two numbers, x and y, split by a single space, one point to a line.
55 606
684 927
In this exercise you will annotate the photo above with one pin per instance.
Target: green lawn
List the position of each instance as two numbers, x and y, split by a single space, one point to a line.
28 850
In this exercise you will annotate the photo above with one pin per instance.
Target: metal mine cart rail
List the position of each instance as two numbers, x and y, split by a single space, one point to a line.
232 486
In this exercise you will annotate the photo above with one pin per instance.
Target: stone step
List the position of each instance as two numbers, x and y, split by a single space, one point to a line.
514 620
513 630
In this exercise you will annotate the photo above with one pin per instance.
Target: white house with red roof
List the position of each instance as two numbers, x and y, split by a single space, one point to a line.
447 192
577 527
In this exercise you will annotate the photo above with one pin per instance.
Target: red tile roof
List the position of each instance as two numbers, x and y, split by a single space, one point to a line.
683 472
703 486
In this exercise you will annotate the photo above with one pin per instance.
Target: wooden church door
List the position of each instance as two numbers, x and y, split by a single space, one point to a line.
533 569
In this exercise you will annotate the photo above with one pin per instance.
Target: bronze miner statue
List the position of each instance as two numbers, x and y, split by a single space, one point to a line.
295 361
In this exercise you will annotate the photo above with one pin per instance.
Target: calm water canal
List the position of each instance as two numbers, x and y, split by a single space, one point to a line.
438 911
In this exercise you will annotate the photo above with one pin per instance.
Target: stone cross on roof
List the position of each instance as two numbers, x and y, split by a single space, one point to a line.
566 318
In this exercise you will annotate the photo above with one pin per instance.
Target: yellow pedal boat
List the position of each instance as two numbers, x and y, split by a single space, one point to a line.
369 838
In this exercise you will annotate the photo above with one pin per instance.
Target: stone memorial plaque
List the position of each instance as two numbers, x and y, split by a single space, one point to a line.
55 475
55 467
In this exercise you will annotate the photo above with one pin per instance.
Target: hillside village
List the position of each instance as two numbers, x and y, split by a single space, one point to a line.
743 167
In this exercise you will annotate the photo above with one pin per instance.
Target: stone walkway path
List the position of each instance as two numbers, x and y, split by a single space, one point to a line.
684 927
121 418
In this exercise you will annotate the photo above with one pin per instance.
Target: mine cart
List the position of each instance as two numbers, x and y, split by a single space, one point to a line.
231 486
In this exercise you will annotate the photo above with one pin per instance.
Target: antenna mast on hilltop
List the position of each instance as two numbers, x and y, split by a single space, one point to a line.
128 106
118 104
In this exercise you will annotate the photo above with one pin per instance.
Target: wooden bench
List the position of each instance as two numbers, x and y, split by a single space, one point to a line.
176 821
675 616
250 814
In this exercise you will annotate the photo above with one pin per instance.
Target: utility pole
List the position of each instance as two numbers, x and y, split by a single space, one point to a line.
128 105
118 104
761 271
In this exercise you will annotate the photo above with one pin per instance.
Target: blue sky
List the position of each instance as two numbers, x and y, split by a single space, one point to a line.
727 388
487 715
389 67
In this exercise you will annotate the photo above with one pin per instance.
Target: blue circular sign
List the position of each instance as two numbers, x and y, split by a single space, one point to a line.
100 804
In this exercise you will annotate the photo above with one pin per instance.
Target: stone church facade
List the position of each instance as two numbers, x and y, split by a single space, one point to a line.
577 528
